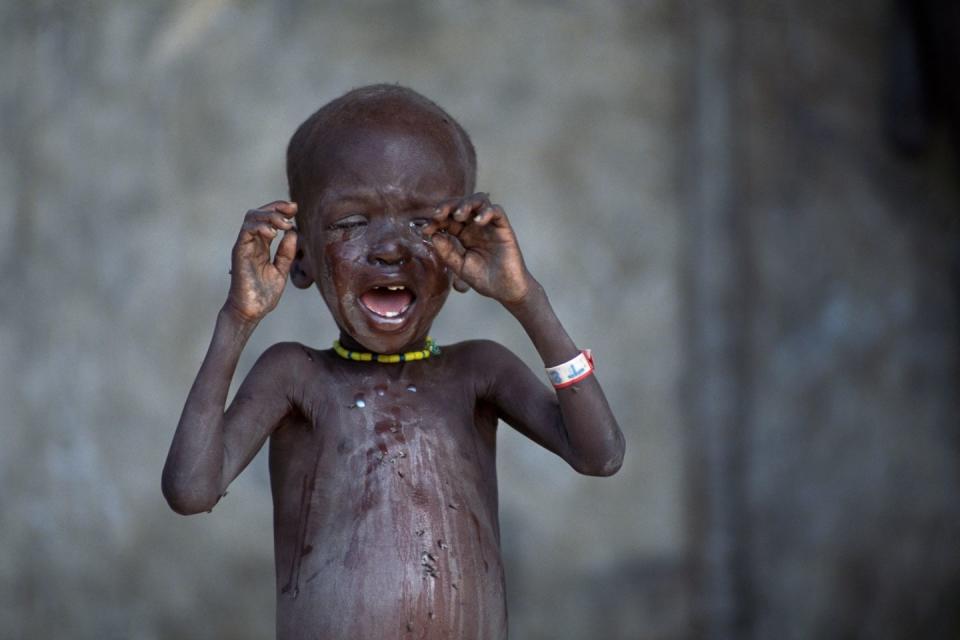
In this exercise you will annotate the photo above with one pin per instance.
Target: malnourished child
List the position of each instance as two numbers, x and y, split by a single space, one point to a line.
383 448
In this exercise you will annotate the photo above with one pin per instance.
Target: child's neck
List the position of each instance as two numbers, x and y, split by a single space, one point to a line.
348 342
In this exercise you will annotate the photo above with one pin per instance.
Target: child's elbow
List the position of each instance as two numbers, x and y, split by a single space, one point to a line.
187 502
603 465
190 507
600 468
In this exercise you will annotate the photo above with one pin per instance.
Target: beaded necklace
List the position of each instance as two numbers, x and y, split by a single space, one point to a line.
431 348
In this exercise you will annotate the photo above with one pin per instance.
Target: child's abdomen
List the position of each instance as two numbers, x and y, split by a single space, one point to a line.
386 527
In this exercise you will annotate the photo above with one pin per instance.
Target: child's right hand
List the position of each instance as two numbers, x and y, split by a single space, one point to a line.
256 283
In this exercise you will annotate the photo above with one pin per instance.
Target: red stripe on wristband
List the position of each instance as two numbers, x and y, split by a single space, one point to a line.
579 368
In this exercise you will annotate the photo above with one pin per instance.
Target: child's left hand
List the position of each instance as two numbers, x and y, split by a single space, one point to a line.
474 238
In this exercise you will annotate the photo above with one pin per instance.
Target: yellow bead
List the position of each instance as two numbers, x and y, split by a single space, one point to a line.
393 358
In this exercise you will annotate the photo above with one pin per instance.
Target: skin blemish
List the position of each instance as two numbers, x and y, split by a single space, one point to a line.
380 389
429 563
419 498
391 427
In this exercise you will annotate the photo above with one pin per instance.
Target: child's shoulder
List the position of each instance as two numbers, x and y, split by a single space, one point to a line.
486 366
487 354
289 357
284 351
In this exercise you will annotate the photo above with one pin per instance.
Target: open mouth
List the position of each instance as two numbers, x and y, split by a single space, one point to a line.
388 301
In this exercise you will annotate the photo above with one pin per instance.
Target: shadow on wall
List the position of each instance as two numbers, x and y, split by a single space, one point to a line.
824 466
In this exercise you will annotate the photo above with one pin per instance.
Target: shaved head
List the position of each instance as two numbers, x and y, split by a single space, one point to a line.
381 107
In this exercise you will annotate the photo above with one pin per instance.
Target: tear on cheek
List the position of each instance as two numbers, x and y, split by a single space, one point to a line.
347 301
424 249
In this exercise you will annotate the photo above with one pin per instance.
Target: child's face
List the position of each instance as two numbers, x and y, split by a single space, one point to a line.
384 284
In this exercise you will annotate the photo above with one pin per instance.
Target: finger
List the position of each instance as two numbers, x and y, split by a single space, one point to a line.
438 221
276 219
441 213
460 285
286 251
448 253
285 207
457 244
444 211
446 207
491 214
263 229
442 222
467 208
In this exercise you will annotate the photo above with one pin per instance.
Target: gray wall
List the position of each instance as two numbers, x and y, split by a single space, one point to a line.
704 191
136 135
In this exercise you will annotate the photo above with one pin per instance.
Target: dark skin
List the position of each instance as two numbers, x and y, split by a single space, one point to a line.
383 475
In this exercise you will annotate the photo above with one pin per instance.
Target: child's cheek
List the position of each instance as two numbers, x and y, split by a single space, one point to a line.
340 259
343 251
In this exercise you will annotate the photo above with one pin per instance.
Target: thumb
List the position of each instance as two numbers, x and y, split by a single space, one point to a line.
286 251
448 252
460 285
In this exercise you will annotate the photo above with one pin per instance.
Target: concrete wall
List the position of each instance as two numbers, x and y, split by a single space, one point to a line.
135 135
823 320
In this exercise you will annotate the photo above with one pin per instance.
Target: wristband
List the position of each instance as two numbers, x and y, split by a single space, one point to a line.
572 371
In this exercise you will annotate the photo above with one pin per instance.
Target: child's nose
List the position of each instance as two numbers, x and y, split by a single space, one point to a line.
390 246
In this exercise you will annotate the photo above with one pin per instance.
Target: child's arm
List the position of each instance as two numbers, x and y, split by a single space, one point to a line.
575 422
210 446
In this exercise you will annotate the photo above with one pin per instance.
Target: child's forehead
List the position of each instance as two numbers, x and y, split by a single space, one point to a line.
388 137
365 163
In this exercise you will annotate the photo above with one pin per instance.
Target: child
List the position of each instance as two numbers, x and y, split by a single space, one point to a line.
382 449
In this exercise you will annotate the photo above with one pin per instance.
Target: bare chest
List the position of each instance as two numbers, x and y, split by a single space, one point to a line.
385 511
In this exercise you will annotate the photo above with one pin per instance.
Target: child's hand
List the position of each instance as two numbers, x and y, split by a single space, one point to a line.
474 239
257 283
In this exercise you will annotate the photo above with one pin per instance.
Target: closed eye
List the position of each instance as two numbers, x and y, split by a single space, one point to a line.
350 222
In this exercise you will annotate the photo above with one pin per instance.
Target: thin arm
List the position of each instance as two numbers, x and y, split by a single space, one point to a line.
575 422
211 447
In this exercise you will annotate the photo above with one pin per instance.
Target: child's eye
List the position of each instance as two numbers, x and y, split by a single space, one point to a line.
419 223
350 222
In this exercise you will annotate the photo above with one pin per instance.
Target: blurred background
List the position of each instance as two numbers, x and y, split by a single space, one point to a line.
748 210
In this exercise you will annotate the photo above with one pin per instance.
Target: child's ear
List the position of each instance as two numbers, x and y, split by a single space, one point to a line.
299 271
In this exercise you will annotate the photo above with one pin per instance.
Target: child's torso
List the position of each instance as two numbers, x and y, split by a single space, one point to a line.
385 508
